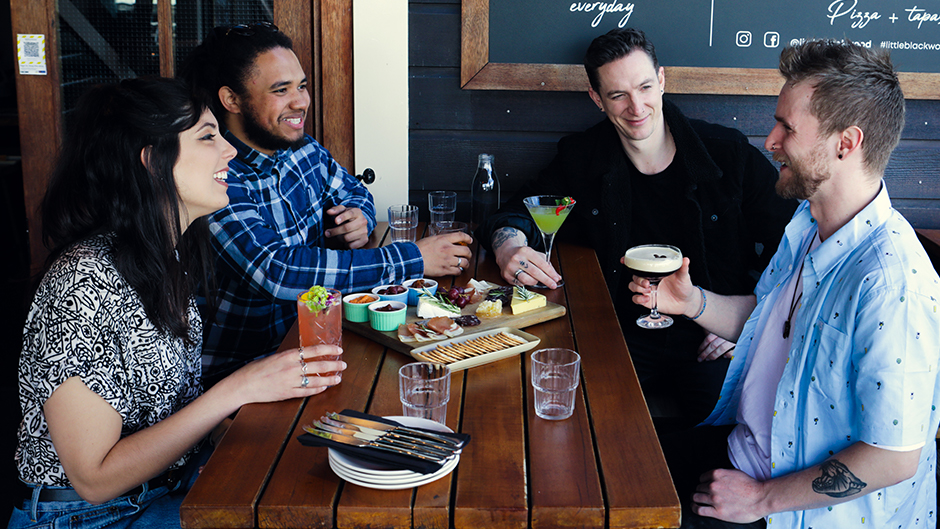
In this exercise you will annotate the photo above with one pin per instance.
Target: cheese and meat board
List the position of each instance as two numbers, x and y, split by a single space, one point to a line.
505 321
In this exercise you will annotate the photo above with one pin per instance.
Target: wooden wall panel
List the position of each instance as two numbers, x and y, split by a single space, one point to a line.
41 131
295 19
337 96
449 126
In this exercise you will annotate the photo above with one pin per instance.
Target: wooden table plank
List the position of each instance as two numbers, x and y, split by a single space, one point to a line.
557 448
303 489
562 448
491 488
491 481
637 481
258 434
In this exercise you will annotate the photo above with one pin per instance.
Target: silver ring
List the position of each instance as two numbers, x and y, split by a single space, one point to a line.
515 277
304 381
301 354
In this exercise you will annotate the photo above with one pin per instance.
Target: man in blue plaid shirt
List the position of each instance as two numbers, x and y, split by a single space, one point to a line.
294 213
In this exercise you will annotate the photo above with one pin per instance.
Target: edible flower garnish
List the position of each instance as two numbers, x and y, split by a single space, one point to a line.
317 298
524 294
562 203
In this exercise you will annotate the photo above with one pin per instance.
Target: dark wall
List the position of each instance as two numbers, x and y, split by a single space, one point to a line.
449 127
14 267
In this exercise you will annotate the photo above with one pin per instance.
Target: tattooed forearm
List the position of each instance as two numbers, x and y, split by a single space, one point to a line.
502 235
837 480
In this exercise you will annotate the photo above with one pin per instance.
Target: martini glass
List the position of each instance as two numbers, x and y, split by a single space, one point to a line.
549 213
654 262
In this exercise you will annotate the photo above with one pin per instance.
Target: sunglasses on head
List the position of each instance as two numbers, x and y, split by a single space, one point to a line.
247 30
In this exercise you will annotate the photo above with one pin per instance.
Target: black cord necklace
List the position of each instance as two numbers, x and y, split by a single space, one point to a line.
794 299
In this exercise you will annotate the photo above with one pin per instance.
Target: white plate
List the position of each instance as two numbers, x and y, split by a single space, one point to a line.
376 472
377 482
529 340
365 470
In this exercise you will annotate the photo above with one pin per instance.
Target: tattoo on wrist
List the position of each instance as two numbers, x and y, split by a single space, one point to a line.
837 480
502 235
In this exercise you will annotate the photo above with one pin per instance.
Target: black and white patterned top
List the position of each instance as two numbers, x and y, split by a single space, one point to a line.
86 321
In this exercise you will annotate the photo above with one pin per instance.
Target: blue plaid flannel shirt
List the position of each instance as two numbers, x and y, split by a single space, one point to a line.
270 246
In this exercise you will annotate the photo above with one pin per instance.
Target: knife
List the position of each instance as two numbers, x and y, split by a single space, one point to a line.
352 441
392 434
442 453
381 426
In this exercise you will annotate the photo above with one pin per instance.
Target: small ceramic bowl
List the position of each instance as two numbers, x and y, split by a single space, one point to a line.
387 320
403 297
358 312
429 284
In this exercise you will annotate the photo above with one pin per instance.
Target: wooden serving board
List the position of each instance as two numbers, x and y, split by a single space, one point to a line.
517 321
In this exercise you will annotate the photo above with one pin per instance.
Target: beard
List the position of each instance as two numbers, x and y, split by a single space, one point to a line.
805 177
263 137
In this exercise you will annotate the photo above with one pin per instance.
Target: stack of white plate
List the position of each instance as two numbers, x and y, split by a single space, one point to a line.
375 476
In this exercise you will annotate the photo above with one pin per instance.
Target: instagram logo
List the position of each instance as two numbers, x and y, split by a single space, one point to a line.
743 39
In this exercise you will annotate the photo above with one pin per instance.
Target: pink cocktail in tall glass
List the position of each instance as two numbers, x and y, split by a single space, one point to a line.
320 318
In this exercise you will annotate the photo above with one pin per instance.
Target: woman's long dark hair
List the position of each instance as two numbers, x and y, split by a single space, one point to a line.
102 185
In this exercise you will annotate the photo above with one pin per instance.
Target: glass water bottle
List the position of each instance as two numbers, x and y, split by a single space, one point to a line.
484 191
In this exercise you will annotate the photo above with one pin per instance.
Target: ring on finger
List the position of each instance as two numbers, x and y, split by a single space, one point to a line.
515 276
304 381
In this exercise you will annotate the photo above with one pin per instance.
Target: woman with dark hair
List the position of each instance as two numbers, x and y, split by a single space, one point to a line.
109 377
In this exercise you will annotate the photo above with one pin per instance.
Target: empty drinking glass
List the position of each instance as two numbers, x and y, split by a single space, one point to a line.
443 206
403 220
424 388
555 375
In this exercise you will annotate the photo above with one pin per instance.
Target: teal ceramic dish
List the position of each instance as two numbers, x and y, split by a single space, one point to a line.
429 284
358 312
387 320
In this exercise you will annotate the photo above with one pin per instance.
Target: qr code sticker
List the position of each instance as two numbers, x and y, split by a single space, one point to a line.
31 50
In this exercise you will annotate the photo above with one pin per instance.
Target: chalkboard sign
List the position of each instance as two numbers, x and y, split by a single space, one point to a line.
707 46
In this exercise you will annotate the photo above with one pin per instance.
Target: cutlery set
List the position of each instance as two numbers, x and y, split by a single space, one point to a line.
402 440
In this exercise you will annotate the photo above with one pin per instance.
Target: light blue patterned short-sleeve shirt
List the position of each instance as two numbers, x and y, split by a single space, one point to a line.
863 365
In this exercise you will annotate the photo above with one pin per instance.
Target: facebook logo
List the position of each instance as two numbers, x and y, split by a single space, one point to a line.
771 39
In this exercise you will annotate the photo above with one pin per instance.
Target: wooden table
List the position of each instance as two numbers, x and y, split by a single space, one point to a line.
603 467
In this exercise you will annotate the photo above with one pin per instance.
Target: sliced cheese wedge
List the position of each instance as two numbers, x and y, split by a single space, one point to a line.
530 301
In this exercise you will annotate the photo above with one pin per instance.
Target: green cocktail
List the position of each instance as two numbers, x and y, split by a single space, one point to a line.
546 219
549 212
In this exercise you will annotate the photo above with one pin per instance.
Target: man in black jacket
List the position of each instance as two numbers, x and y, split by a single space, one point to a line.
645 175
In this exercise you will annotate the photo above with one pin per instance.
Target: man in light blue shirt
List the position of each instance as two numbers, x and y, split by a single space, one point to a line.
833 392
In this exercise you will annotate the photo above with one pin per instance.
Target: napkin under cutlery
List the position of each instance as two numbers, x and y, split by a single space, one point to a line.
393 461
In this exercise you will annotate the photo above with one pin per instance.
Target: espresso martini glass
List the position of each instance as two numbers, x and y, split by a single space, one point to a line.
548 212
654 262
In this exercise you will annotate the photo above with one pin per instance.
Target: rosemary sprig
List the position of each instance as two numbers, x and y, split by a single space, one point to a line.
524 293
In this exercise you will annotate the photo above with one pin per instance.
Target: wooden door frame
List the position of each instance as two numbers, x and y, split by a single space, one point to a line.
322 34
38 103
